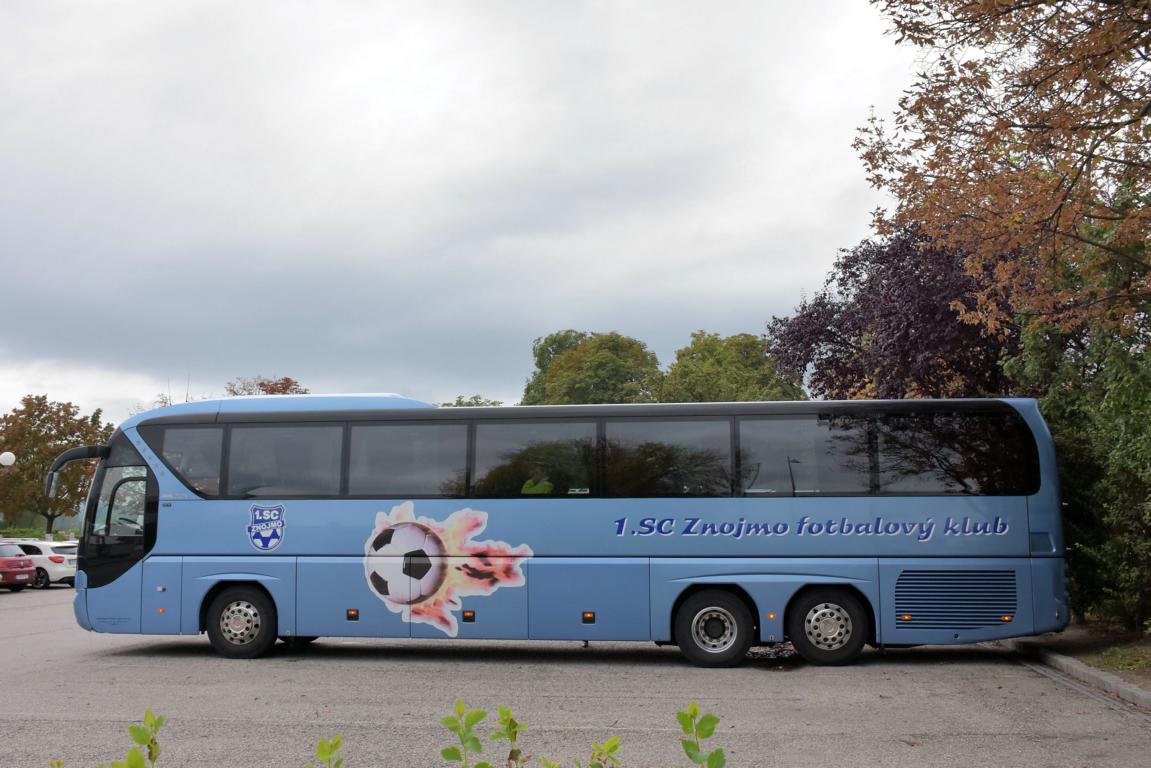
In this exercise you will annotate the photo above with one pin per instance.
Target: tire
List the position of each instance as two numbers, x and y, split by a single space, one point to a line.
241 623
714 629
42 581
828 627
17 589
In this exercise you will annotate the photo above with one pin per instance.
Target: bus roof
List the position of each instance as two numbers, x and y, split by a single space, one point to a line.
337 407
210 410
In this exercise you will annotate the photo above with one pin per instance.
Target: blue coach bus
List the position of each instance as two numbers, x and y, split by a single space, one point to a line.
712 526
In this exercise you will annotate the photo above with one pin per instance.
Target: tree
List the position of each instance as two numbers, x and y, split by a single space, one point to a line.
1024 143
261 385
887 324
1122 435
37 432
161 400
544 350
1026 133
475 401
602 368
1095 390
715 369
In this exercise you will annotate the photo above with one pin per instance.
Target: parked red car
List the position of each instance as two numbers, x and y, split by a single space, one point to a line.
16 569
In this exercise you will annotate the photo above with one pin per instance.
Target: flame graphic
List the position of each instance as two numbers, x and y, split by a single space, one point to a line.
473 567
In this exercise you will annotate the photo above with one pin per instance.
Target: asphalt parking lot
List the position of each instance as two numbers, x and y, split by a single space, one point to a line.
70 694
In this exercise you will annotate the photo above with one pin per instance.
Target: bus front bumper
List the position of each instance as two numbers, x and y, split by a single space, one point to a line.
80 601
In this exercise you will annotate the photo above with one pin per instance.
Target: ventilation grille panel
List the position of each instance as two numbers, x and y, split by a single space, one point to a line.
954 599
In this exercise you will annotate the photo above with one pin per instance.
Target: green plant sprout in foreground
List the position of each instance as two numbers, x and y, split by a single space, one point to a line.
143 736
463 724
696 726
328 753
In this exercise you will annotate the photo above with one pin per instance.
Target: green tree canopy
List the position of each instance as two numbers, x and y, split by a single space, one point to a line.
1095 390
37 432
544 350
475 401
602 368
714 369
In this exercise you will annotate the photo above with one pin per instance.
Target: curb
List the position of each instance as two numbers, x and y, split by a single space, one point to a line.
1085 673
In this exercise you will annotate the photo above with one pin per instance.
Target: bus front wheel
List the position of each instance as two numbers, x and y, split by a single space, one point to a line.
828 627
242 623
714 629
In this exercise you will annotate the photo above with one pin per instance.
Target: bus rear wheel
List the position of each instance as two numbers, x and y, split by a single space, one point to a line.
828 627
714 629
242 623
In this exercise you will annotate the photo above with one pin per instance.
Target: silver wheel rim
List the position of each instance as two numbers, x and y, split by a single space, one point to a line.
714 629
828 626
240 622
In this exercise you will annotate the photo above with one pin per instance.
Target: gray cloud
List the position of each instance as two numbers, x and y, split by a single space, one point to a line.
402 196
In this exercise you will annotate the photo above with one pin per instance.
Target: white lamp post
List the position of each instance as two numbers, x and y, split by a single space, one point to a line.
7 459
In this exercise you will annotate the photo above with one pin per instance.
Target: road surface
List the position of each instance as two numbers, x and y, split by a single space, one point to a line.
70 694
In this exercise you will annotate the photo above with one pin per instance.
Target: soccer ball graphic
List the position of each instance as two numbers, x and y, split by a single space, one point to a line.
405 563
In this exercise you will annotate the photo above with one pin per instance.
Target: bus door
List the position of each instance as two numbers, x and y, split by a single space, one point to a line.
119 530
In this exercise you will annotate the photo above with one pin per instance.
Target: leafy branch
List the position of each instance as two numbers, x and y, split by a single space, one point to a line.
698 728
462 723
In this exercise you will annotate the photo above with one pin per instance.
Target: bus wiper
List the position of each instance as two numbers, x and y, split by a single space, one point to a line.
72 454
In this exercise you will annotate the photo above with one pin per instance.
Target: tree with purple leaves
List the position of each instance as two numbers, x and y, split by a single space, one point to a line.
887 325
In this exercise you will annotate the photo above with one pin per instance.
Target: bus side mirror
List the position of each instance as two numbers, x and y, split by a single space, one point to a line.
72 454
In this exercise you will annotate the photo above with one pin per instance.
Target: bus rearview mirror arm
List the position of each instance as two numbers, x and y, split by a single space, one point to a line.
72 454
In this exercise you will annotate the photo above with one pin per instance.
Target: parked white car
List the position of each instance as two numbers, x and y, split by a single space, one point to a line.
55 561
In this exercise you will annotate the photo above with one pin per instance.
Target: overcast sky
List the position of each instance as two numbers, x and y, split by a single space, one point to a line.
401 196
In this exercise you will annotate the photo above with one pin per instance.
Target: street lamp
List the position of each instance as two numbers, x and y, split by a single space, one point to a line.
7 459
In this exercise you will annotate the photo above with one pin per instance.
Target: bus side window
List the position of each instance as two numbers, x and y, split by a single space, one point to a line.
122 495
940 452
682 457
408 460
194 454
534 459
126 507
276 461
805 455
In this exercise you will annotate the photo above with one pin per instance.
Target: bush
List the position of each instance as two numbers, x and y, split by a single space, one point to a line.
1096 397
22 533
36 533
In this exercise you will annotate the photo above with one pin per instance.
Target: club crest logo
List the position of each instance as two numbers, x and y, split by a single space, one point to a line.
266 530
